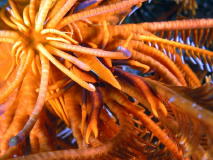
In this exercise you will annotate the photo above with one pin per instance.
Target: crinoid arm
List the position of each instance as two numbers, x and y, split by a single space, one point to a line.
81 84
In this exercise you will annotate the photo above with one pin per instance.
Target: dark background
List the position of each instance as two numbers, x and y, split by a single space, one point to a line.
162 10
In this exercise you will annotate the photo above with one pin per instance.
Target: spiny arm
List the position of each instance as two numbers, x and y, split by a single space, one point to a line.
97 11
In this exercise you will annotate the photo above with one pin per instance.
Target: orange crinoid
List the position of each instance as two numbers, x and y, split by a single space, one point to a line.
66 70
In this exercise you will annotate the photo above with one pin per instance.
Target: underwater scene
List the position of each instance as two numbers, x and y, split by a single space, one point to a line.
106 79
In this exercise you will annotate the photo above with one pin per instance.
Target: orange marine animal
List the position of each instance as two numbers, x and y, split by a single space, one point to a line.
69 88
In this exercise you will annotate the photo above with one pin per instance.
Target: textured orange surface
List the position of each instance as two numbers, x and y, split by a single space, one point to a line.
5 62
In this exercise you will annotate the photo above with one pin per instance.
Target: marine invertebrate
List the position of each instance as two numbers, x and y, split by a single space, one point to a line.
30 39
85 46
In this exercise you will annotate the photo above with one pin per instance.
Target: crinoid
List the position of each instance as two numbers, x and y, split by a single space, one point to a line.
34 31
69 63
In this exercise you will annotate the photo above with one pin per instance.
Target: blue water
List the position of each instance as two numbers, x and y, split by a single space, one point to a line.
2 2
